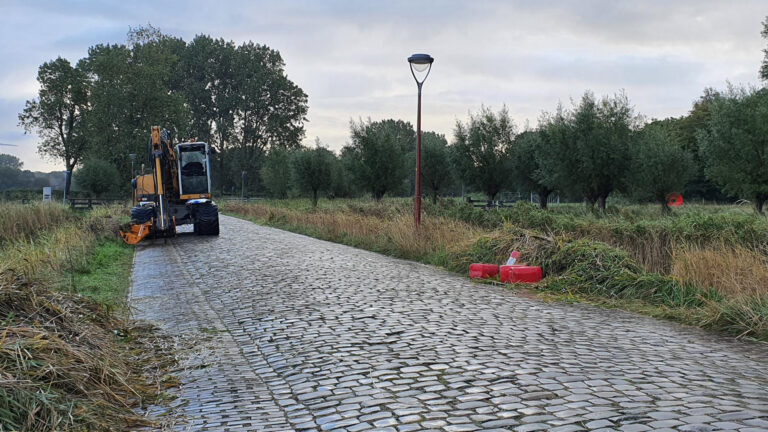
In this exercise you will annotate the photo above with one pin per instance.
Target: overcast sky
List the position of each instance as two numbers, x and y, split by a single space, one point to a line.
350 56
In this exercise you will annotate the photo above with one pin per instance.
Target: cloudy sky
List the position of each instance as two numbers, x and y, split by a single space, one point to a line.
350 56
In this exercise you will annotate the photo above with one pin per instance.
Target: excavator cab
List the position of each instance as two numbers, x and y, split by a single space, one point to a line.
194 170
176 192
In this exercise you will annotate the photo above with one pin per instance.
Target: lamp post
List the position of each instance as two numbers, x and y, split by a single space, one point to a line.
421 64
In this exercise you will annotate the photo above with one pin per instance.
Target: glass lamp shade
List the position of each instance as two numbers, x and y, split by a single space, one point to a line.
421 65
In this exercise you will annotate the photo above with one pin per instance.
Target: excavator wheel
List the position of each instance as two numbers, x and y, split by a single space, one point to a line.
142 214
207 220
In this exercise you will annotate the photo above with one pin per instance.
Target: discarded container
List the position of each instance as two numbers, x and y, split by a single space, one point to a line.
483 271
520 273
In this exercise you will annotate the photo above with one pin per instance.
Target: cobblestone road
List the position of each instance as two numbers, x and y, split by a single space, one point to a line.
293 333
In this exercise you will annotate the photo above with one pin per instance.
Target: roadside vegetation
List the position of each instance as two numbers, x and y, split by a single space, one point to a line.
70 359
702 265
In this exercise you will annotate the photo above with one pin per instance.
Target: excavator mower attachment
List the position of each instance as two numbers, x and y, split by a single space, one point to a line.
134 233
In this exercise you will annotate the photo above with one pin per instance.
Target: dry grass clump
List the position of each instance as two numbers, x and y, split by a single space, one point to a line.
61 367
26 221
732 270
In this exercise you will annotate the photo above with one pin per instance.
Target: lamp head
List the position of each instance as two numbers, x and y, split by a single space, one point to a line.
421 64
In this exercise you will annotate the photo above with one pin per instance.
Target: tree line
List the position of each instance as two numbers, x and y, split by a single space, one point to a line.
99 110
588 151
238 98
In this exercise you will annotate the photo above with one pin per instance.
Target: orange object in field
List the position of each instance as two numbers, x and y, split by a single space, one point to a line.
675 200
483 271
136 232
520 273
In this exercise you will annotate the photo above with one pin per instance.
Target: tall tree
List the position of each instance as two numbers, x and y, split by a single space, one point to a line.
735 146
480 150
276 172
660 164
764 65
525 156
313 170
10 161
687 127
377 154
436 168
57 113
97 177
134 87
208 75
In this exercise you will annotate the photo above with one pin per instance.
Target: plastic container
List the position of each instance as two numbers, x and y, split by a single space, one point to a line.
520 273
483 271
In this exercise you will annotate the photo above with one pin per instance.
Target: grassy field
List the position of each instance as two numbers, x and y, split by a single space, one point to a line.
702 265
70 359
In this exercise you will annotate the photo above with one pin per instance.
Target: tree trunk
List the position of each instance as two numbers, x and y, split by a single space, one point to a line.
68 181
543 197
434 197
759 201
665 209
601 203
314 198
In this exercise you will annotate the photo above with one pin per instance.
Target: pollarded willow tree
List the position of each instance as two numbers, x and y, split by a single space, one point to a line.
590 147
525 157
377 155
735 146
313 170
660 164
479 150
436 168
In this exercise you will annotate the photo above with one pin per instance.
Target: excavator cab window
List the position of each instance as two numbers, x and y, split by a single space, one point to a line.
193 166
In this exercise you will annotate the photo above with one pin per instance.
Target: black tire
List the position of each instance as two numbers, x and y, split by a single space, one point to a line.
142 214
207 220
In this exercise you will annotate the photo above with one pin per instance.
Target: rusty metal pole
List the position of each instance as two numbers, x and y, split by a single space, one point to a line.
420 63
417 197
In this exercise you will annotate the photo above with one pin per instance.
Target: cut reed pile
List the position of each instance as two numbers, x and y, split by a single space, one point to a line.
66 364
60 365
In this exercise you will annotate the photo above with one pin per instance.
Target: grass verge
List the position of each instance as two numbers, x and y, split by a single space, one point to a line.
577 266
67 361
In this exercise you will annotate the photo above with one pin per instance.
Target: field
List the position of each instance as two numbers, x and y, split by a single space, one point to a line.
702 265
70 359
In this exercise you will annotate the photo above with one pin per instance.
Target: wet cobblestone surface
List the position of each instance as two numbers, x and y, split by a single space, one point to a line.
294 333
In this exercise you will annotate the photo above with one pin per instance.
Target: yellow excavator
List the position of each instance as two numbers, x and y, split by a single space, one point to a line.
176 192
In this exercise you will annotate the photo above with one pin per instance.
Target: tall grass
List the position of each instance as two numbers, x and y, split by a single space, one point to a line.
25 221
64 245
380 228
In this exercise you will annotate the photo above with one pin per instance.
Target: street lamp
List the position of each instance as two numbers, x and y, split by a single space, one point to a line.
421 65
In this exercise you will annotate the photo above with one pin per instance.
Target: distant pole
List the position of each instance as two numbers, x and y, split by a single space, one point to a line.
133 158
242 185
66 179
419 63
